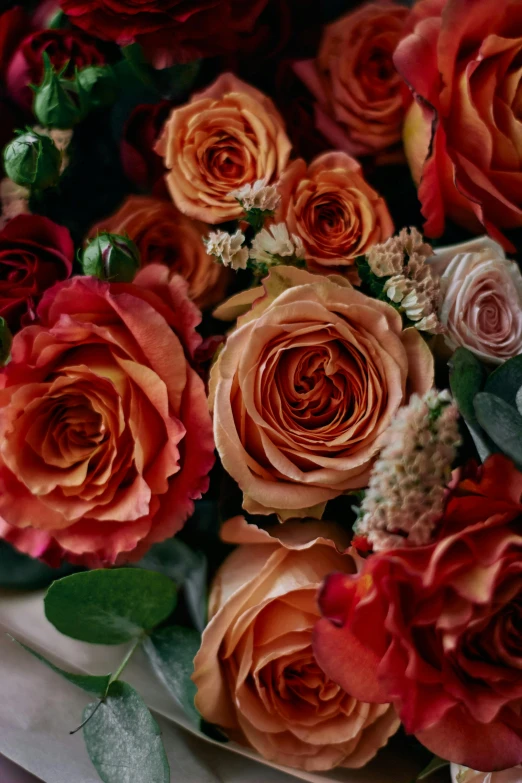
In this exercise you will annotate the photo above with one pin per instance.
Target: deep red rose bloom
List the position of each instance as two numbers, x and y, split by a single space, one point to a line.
437 629
142 166
170 31
34 254
71 47
106 438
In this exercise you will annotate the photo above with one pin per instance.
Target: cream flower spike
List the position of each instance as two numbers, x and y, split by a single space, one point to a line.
228 248
258 195
274 242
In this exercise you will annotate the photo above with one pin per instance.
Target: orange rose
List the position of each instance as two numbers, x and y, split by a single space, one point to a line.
256 673
333 209
305 388
164 235
361 99
228 136
462 137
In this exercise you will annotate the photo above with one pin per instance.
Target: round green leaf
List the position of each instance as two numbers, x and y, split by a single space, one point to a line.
171 652
109 606
123 740
467 377
506 380
502 423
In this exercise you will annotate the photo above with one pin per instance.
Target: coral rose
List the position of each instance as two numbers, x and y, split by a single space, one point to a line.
331 207
482 299
228 136
361 99
437 629
164 235
34 254
105 434
255 671
462 137
170 31
305 388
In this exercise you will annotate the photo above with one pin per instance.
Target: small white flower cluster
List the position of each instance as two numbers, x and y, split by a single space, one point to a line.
405 497
259 195
275 242
228 248
410 282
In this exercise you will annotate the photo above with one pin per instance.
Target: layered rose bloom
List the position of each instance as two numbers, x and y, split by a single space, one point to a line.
360 97
170 31
105 434
437 629
462 136
228 136
305 388
481 299
34 254
256 673
331 207
164 235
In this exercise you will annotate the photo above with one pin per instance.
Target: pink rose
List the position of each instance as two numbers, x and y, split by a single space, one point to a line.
482 299
104 428
256 673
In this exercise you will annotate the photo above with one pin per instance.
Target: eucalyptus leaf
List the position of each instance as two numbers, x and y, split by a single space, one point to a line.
519 400
87 682
110 606
21 572
502 423
467 377
506 380
171 652
123 739
435 764
188 569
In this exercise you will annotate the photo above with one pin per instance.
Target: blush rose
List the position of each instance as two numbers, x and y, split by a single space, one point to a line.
436 629
305 388
105 434
255 671
228 136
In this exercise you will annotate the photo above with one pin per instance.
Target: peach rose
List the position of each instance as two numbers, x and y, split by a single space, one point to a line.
462 137
361 99
105 434
331 207
482 299
255 671
305 388
228 136
166 236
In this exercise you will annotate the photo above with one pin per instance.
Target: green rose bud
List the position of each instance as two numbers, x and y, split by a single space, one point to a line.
111 257
6 339
97 87
56 102
32 160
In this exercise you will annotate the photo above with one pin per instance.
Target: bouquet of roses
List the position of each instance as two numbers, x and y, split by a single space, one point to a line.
261 394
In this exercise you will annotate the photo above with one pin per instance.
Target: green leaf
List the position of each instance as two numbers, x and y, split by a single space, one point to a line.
506 380
87 682
467 377
188 569
21 572
435 764
123 739
502 423
171 652
109 606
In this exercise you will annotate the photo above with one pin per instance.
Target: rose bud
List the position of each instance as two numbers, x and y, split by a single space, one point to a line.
56 102
97 87
6 338
111 257
32 160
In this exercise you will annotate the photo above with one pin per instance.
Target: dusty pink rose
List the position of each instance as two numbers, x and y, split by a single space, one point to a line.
482 299
305 388
104 428
228 136
256 673
361 99
331 207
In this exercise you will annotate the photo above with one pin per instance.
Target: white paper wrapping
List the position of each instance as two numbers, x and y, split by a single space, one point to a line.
38 709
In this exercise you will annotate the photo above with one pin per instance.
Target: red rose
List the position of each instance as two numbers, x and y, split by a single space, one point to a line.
106 438
170 31
64 47
34 254
14 24
142 166
437 629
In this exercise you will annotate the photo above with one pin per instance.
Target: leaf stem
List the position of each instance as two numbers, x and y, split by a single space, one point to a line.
116 675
